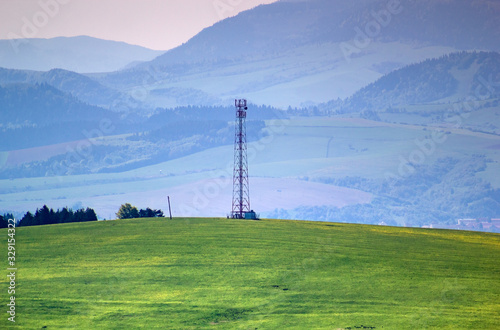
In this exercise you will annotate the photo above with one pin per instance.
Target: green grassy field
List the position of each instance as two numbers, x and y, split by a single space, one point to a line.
269 274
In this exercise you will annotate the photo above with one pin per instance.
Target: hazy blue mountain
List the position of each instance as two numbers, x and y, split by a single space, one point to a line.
39 114
41 104
297 53
84 88
305 52
287 25
79 54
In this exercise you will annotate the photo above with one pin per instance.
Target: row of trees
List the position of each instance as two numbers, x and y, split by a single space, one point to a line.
46 216
127 211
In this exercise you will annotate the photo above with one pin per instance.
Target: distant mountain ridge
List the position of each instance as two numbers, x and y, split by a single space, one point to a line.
39 114
306 52
42 104
281 54
288 24
80 86
81 54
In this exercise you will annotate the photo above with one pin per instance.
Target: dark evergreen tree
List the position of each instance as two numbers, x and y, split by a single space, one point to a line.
42 216
79 216
149 213
3 222
53 218
46 216
65 215
27 220
90 215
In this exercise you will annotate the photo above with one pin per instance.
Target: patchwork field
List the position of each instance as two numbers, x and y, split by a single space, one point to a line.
296 152
229 274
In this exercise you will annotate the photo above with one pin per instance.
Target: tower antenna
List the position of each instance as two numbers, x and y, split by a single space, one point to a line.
241 195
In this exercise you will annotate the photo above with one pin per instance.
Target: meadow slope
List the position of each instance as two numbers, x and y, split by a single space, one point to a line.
269 274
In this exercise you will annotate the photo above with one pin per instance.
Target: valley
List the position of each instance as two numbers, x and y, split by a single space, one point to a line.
297 157
402 131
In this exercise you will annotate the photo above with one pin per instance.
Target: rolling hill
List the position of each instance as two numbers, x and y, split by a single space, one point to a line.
450 78
39 115
79 54
87 90
217 273
458 90
42 104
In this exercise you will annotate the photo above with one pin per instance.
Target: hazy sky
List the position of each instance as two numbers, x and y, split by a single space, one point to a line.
156 24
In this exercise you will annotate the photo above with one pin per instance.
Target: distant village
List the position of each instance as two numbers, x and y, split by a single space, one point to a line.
479 224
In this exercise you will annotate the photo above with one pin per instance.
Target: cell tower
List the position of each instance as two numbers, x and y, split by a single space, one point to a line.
241 195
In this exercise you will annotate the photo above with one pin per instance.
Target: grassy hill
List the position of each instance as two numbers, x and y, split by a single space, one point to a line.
227 274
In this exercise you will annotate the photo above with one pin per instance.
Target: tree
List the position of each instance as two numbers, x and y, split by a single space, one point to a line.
79 215
42 216
149 213
65 215
27 220
3 222
52 217
90 215
127 211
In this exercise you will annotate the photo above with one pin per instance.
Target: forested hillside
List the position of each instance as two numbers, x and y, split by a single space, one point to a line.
438 192
95 140
451 77
82 87
39 115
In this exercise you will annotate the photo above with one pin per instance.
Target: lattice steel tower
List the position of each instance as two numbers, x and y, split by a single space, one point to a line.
241 195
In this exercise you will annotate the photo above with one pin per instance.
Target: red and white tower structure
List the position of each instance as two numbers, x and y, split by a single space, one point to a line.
241 195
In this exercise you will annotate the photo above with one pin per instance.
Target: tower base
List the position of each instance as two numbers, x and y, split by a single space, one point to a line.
250 215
